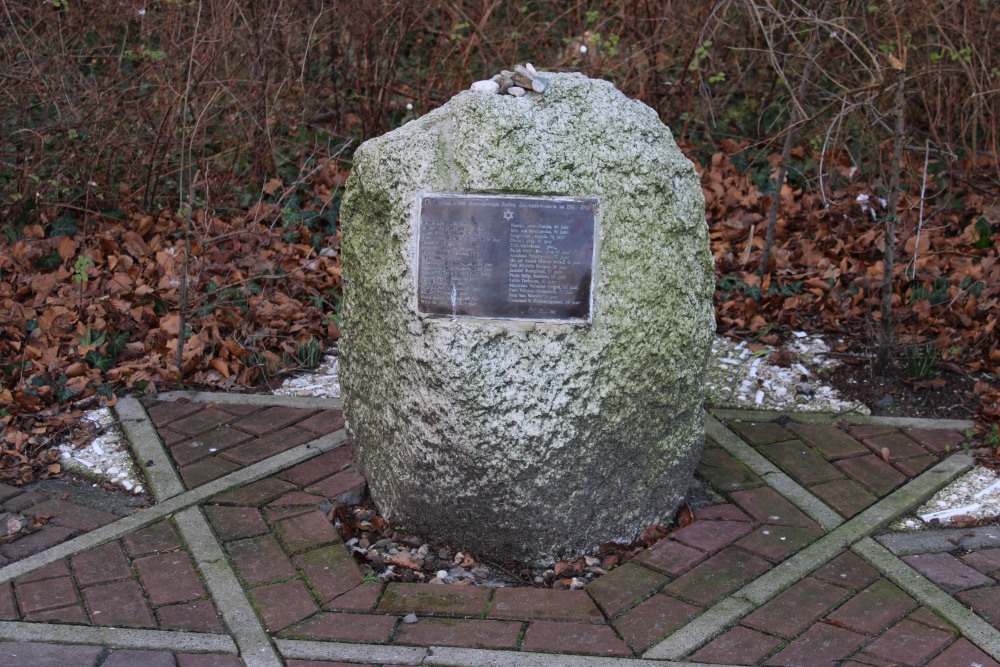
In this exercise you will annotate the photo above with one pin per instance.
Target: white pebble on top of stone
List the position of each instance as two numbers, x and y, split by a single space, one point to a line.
107 457
490 87
516 82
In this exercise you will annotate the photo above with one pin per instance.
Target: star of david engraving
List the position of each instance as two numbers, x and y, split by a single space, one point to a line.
508 214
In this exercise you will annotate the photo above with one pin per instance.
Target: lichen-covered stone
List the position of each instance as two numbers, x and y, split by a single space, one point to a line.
530 440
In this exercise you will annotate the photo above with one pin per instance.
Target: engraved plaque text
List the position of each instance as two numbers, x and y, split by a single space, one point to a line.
506 257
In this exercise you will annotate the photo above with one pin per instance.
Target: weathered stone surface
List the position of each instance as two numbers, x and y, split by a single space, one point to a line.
530 439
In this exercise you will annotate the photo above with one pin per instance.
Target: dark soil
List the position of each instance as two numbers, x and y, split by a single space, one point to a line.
947 394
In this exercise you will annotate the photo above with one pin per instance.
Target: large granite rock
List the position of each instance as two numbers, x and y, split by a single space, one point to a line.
530 440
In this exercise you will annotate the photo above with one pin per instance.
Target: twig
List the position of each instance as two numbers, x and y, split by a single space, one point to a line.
794 114
187 211
920 220
885 340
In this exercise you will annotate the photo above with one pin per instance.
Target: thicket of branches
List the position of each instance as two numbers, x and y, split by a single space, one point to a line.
112 104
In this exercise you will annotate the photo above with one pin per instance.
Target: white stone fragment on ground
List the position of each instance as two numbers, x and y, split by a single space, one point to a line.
975 495
516 91
321 382
736 375
106 456
950 512
490 87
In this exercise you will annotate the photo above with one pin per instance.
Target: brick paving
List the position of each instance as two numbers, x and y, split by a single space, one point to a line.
209 441
303 584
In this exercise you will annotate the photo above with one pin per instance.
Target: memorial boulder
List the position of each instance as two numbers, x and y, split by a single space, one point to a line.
526 322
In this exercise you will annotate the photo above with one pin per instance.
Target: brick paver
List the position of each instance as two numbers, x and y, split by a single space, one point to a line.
360 598
345 627
201 421
318 468
848 570
306 531
711 536
794 610
129 658
830 441
986 561
330 571
909 643
801 462
554 637
71 515
159 537
283 603
651 620
983 601
767 506
963 653
671 557
760 433
844 495
937 441
822 644
169 578
267 446
896 445
739 646
260 559
776 543
421 599
532 603
105 563
721 574
460 632
874 608
272 419
47 655
725 472
118 604
948 572
47 536
622 587
46 594
873 473
200 616
233 523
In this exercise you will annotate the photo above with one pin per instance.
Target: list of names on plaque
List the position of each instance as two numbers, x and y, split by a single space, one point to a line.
506 257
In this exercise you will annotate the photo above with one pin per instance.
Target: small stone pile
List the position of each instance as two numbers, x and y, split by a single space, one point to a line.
393 554
517 83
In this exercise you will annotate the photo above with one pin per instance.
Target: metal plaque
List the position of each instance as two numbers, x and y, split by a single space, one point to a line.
506 257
